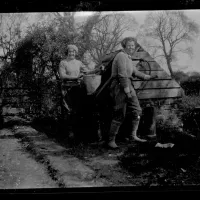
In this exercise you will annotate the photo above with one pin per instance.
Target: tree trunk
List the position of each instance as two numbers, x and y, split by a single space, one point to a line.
170 68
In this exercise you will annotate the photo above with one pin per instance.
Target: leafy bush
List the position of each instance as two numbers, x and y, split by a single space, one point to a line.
185 118
180 76
35 66
191 85
188 103
190 113
168 123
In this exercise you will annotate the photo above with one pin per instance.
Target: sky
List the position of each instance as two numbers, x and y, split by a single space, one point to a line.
184 60
191 63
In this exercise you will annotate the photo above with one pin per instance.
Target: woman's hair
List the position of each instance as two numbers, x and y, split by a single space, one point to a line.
87 53
72 46
128 39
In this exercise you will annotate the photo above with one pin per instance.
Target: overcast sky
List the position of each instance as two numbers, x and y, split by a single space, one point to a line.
194 63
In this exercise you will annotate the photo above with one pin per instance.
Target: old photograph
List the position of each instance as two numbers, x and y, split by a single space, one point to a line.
93 99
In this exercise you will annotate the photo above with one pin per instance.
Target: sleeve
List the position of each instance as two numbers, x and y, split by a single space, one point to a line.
83 68
122 71
138 74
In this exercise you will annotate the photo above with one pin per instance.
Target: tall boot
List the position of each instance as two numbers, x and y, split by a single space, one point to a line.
134 137
114 128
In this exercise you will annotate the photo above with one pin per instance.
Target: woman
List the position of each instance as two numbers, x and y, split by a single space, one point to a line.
89 65
70 71
70 68
122 92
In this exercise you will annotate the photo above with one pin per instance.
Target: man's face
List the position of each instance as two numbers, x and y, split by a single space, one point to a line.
71 53
130 47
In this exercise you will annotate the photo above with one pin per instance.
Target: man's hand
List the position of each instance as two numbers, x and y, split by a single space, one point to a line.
150 77
154 76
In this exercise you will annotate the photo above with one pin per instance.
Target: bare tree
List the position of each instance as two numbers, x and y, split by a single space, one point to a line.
99 33
102 32
63 22
166 34
11 26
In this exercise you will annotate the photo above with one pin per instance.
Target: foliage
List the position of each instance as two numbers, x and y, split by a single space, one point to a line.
191 85
37 54
186 108
168 123
180 76
36 62
188 103
182 117
190 114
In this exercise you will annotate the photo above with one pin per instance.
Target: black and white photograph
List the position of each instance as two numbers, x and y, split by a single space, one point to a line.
99 99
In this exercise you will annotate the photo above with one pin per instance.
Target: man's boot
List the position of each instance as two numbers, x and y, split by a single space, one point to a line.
114 128
134 137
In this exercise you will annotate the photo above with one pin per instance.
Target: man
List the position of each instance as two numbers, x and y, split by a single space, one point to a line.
124 98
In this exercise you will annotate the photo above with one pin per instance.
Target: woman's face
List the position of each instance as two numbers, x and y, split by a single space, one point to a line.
130 47
71 53
86 59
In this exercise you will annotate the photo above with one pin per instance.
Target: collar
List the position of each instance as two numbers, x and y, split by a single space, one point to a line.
129 56
68 59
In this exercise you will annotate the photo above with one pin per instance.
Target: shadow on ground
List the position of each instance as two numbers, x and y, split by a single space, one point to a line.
136 164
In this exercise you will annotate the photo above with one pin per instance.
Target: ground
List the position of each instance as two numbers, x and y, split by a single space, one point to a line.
31 158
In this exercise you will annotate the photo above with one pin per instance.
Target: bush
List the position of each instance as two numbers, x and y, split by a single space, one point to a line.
191 85
190 114
188 103
167 125
184 118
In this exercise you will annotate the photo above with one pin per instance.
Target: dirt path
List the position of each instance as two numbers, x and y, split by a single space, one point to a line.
77 166
17 168
33 159
29 159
